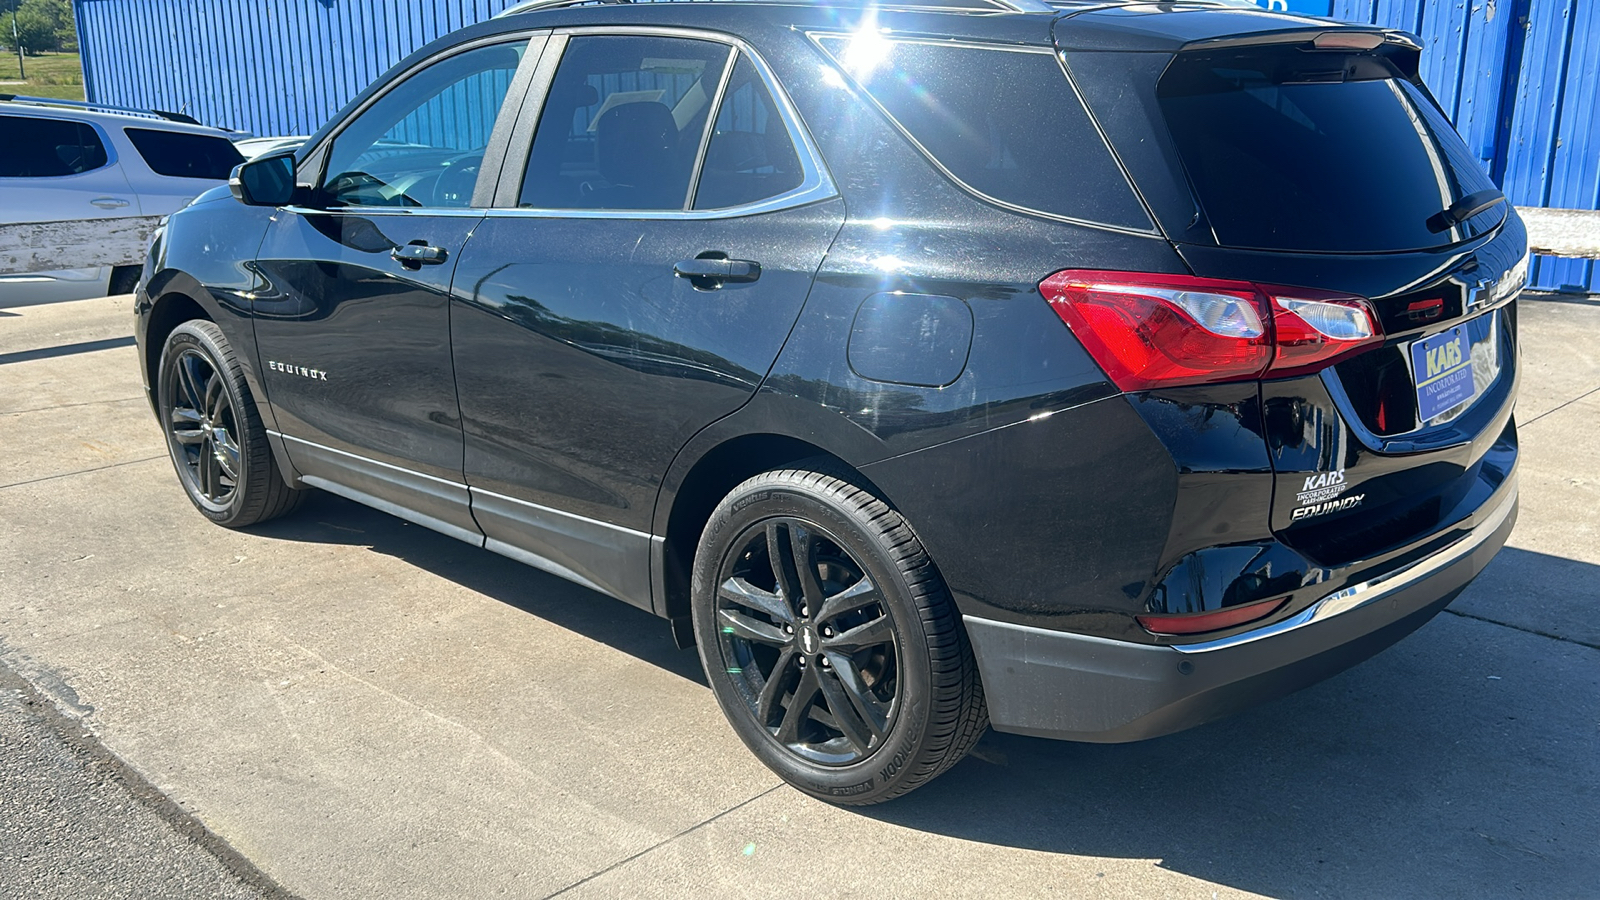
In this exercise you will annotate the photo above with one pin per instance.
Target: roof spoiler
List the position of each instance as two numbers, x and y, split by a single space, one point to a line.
1333 37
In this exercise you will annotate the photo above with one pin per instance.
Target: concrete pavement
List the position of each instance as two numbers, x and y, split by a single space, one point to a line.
363 708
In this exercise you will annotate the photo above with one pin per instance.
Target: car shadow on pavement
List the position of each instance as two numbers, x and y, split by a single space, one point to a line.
328 519
1460 762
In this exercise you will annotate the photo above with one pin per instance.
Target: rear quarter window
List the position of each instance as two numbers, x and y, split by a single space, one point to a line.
1005 123
176 154
48 148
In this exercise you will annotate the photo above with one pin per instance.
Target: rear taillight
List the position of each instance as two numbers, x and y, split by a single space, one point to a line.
1198 623
1149 331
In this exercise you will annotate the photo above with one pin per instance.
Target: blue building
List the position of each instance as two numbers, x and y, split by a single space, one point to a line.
1518 77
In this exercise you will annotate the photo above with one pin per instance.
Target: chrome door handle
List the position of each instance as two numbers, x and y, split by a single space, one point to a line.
109 202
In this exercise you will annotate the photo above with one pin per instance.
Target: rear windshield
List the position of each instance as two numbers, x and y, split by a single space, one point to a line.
1296 150
1005 122
179 155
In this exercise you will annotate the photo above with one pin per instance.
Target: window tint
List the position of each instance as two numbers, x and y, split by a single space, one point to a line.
1007 124
422 143
1340 157
751 155
48 148
180 155
623 123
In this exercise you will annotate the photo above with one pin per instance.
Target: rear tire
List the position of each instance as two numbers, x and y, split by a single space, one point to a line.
214 432
830 640
124 279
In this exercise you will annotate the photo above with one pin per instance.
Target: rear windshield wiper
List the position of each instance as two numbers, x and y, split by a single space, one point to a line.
1464 209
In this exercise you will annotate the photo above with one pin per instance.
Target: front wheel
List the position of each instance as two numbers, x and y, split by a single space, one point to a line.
214 433
830 640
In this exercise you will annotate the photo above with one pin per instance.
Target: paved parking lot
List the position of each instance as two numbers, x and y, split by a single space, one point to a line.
362 708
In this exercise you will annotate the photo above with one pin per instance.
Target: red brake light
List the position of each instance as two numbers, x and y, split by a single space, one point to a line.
1150 331
1211 621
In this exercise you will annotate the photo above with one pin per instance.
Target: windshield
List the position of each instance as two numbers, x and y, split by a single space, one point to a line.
1294 150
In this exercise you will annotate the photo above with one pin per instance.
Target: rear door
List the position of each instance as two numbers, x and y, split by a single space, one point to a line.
353 327
654 240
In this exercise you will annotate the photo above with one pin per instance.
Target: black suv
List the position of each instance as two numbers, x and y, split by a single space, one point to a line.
1085 370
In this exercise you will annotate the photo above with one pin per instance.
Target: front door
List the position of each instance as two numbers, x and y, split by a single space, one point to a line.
634 285
353 327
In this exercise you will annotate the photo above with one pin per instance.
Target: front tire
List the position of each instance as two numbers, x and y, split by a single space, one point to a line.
830 640
214 432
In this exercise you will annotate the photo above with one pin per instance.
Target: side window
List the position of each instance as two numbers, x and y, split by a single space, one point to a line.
422 143
751 155
1006 124
623 123
48 148
177 154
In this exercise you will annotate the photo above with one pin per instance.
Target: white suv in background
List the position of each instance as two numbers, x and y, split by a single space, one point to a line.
65 160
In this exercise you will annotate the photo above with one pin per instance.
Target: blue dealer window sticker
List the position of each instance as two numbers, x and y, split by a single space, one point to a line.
1443 367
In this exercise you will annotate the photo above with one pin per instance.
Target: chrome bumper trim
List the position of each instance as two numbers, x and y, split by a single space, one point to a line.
1359 595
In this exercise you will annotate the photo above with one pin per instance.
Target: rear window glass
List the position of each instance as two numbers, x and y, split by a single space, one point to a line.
179 155
751 156
1288 150
623 122
48 148
1007 124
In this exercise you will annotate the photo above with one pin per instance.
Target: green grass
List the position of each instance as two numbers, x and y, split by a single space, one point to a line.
57 75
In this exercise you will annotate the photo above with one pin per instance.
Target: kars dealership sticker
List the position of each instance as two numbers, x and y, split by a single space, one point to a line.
1443 367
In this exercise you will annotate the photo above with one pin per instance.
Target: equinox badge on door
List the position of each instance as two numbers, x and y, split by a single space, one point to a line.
302 371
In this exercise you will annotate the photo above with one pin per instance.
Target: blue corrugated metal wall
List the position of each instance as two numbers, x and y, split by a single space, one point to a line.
1520 78
263 66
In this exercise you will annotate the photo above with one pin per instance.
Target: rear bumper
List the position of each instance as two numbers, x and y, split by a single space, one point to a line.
1078 687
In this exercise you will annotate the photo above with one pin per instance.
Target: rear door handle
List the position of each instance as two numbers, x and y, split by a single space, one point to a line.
109 202
417 254
712 270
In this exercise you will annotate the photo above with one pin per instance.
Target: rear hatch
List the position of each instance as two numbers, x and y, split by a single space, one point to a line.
1308 159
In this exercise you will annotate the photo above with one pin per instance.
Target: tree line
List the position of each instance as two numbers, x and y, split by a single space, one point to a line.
38 25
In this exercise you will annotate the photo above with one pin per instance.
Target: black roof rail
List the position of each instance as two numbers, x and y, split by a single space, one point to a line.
1024 6
101 107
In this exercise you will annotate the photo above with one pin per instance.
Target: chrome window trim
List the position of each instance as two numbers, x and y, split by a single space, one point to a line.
816 183
713 112
381 211
816 38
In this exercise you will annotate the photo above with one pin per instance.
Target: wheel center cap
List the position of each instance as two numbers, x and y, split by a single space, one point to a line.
809 642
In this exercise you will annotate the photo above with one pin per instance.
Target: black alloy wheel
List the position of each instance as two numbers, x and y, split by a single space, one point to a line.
201 423
830 640
809 641
215 436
